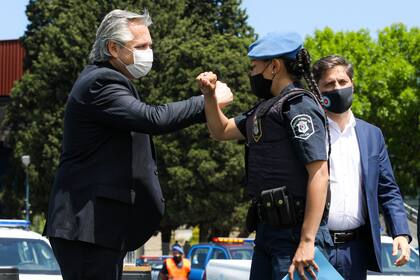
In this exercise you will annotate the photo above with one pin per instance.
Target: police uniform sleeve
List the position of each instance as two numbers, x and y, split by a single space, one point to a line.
306 126
241 119
240 122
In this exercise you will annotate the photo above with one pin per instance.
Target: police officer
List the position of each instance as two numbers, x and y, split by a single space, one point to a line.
286 157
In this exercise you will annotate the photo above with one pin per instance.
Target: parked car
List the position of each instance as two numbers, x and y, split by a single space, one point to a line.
27 251
155 263
221 248
239 269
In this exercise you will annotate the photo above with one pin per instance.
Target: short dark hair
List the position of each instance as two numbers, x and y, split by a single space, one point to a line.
329 62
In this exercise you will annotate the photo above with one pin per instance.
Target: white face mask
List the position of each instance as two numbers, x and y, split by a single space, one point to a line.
143 61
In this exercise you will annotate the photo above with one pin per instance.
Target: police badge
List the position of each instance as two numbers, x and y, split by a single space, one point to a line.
256 129
302 126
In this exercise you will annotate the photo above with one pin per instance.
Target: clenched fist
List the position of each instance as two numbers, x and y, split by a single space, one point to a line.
210 86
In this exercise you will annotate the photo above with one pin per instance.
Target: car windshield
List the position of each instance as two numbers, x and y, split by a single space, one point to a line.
28 255
241 253
388 262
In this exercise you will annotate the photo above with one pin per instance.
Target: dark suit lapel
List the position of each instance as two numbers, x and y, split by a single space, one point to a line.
361 135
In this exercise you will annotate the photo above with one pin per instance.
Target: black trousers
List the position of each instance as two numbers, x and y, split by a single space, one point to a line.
85 261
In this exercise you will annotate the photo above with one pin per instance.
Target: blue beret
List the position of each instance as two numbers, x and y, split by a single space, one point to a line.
276 44
177 248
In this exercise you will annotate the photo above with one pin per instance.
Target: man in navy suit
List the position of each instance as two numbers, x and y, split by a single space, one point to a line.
106 197
361 180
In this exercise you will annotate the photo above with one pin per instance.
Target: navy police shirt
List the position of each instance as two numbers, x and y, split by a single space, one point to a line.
305 123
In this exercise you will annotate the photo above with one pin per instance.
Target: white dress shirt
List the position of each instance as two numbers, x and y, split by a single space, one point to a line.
347 208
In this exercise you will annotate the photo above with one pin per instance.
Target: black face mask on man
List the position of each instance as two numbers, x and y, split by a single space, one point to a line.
339 100
177 258
260 86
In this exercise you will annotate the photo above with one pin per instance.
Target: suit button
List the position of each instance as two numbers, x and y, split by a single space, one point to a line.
156 172
163 200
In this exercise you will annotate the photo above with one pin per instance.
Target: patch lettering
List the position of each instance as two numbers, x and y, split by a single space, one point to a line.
302 126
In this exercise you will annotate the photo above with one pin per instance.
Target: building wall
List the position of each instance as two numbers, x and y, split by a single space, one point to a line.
11 69
11 65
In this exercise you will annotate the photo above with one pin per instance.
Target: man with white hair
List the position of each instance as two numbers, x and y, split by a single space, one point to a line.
106 198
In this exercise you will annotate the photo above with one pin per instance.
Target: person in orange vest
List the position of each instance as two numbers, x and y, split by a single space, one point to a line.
177 267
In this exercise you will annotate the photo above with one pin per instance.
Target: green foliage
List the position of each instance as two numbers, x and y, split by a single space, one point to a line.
38 223
386 88
199 176
57 44
195 236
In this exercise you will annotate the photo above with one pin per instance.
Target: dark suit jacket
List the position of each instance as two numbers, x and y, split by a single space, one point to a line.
106 190
379 188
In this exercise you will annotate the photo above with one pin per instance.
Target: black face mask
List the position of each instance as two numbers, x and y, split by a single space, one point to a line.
260 86
177 258
338 100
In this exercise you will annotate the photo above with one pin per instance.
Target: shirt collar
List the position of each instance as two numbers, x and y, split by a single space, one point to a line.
350 124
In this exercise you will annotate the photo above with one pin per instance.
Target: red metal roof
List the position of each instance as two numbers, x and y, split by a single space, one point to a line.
11 64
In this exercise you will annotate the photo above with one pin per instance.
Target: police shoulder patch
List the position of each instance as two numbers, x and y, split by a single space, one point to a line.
256 129
302 126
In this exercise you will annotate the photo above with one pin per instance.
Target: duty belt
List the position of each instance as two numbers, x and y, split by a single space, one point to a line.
299 210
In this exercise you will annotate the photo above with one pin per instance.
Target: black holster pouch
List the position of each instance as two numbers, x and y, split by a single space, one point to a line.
252 217
278 208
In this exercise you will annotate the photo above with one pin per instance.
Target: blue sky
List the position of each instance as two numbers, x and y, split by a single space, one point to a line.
302 16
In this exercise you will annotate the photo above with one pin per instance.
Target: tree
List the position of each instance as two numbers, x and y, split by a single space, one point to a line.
386 88
56 47
199 176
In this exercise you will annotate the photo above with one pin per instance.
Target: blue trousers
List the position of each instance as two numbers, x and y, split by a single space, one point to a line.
275 248
349 259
